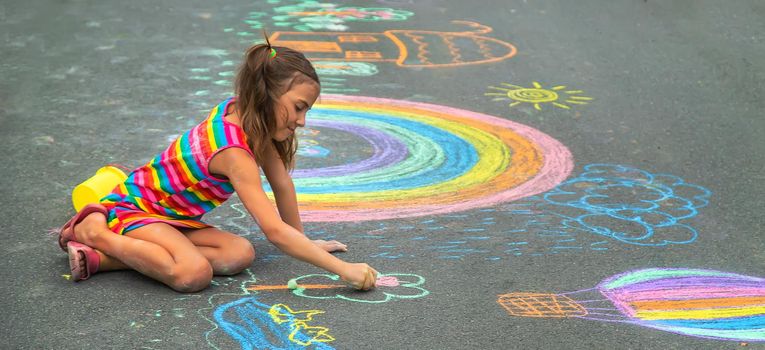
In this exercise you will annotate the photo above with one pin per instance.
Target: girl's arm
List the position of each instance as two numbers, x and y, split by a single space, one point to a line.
283 188
286 197
242 170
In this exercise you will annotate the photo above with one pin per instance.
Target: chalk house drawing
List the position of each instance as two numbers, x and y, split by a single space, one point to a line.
537 96
692 302
427 159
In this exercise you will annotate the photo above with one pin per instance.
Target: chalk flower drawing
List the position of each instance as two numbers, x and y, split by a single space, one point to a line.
628 204
394 286
537 96
314 15
693 302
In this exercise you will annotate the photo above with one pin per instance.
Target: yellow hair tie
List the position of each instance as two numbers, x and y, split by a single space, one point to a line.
272 54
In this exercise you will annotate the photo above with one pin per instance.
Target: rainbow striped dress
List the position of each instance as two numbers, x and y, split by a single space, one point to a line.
175 187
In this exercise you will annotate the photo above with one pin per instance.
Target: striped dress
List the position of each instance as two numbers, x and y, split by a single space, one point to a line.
175 187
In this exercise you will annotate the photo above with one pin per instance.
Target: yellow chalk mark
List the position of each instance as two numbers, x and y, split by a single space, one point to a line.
298 320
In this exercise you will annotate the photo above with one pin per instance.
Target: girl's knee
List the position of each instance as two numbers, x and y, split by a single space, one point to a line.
238 256
192 277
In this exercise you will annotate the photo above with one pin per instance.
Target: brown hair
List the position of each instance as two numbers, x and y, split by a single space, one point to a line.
261 80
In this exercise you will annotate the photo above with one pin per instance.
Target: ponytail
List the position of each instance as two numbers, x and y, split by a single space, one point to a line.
266 73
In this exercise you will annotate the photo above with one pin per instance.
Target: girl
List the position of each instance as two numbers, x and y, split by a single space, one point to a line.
156 212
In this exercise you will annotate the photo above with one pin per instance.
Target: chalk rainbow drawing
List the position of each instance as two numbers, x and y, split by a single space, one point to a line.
259 326
538 95
693 302
427 159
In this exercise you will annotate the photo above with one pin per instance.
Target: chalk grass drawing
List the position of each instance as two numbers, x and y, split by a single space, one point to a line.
259 326
627 204
390 286
558 96
405 48
427 159
693 302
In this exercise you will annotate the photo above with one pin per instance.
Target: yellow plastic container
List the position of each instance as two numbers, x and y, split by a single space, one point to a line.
97 186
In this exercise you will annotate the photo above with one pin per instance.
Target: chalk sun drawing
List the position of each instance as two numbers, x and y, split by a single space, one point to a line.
537 96
427 159
692 302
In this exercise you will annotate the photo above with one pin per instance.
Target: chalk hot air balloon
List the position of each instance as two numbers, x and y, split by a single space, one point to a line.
694 302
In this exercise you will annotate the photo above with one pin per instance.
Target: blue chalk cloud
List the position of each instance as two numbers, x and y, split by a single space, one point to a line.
628 204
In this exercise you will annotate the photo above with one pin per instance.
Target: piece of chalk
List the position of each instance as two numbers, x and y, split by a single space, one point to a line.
292 284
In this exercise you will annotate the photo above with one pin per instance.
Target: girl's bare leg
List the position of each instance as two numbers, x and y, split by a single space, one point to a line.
157 250
227 252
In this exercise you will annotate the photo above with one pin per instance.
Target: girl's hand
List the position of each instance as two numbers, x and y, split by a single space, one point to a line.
360 276
330 246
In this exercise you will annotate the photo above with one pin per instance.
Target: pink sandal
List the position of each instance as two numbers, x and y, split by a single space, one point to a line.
79 253
67 231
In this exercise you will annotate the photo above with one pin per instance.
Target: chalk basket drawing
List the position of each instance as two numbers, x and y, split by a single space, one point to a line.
558 95
255 325
693 302
405 48
427 159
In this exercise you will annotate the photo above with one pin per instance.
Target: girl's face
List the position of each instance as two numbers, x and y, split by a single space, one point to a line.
292 107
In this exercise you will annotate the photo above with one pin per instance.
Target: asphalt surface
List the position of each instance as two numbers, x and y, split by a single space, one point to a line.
653 144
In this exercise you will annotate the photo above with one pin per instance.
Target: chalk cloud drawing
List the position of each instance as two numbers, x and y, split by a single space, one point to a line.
558 95
627 204
427 159
405 48
390 286
260 326
692 302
